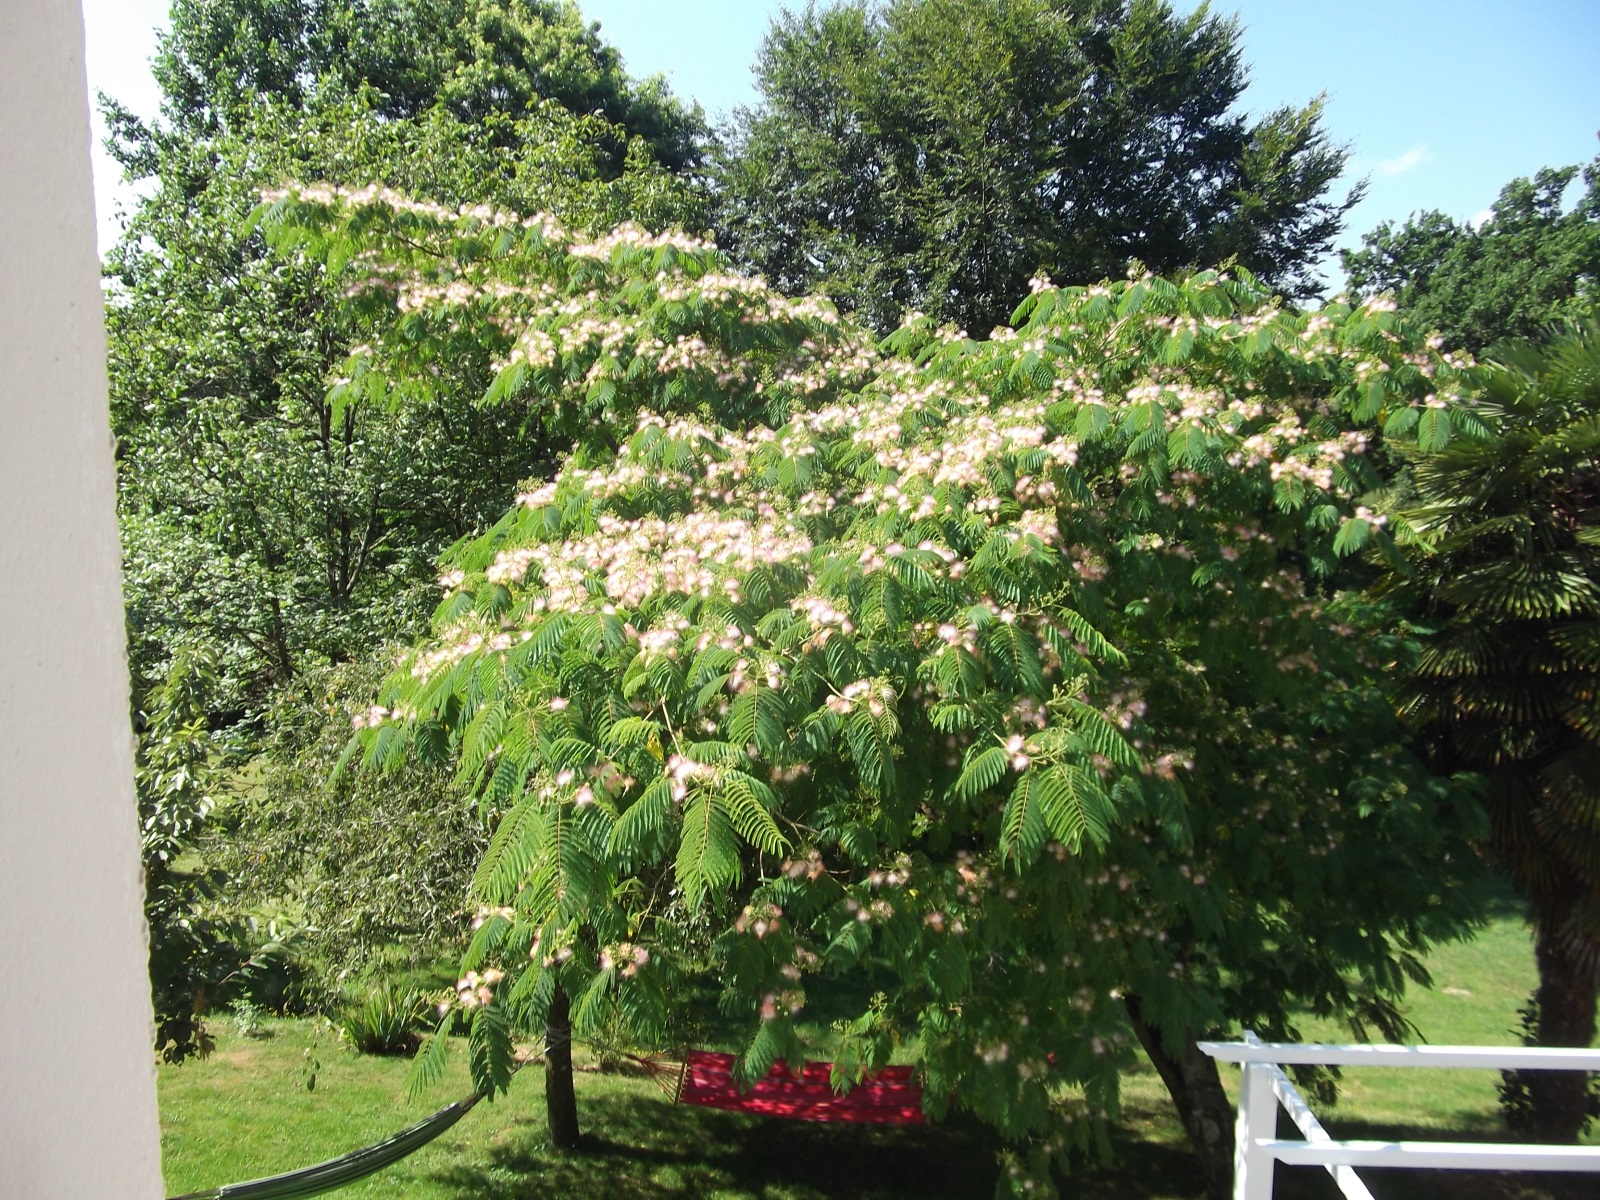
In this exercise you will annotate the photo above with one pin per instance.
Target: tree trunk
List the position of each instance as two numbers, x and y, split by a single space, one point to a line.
560 1101
1195 1085
1566 1007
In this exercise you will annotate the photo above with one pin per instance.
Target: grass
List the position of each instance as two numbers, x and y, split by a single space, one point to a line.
245 1112
1478 988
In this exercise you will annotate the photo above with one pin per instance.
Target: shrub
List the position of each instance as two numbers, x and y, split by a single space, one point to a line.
388 1020
375 869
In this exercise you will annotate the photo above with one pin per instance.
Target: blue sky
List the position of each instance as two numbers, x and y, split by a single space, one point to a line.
1442 101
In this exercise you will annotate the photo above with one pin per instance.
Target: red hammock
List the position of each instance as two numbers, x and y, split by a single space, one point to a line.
887 1097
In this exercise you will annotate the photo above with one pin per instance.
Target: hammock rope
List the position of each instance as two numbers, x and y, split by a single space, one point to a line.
347 1169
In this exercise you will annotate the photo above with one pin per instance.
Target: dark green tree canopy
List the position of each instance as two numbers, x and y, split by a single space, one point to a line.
936 154
1533 263
1506 581
257 518
476 57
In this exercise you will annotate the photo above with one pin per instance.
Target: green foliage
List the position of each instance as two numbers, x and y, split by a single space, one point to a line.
259 516
248 1018
1507 580
277 528
203 951
1506 586
572 334
375 868
221 1123
1532 264
280 531
936 154
477 58
387 1020
909 679
1516 1097
191 953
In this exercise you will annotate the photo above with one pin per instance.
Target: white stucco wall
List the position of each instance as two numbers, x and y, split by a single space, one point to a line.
77 1083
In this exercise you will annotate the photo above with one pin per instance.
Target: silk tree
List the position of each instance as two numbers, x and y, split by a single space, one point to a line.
1006 674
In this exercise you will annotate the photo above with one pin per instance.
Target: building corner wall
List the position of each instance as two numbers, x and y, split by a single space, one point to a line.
77 1081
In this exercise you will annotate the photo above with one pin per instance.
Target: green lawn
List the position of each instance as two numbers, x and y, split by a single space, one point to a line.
244 1113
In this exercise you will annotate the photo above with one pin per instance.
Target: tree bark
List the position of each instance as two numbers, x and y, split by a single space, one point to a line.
560 1101
1565 1000
1195 1086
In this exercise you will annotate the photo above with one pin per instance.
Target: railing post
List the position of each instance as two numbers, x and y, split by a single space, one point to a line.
1258 1121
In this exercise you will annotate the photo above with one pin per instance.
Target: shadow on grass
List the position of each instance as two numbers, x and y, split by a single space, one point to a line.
1145 1169
1498 900
649 1149
1313 1183
640 1147
1139 1168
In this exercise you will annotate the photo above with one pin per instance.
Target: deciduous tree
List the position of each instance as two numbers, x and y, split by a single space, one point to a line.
257 515
265 526
478 58
934 154
1532 264
997 672
375 866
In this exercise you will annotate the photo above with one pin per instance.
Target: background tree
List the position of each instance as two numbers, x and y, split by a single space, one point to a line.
478 58
198 954
1533 263
175 773
728 347
269 527
936 154
1508 585
992 676
257 514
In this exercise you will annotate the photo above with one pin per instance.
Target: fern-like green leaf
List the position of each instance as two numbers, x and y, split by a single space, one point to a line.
510 854
427 1068
1074 805
1100 735
642 820
1022 826
982 772
490 1052
631 731
748 804
708 854
1090 637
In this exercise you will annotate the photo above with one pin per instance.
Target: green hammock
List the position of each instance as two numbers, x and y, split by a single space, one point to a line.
337 1172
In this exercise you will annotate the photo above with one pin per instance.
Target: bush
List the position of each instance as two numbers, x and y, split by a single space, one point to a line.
389 1020
375 869
248 1019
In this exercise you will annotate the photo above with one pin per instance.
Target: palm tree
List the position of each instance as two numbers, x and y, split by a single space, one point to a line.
1507 585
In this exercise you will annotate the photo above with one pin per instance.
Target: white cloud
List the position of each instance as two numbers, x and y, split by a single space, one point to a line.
1481 218
1411 158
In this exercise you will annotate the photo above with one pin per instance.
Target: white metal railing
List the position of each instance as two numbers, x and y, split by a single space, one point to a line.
1263 1086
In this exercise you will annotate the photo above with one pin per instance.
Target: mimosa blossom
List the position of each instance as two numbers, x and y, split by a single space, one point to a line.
824 651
